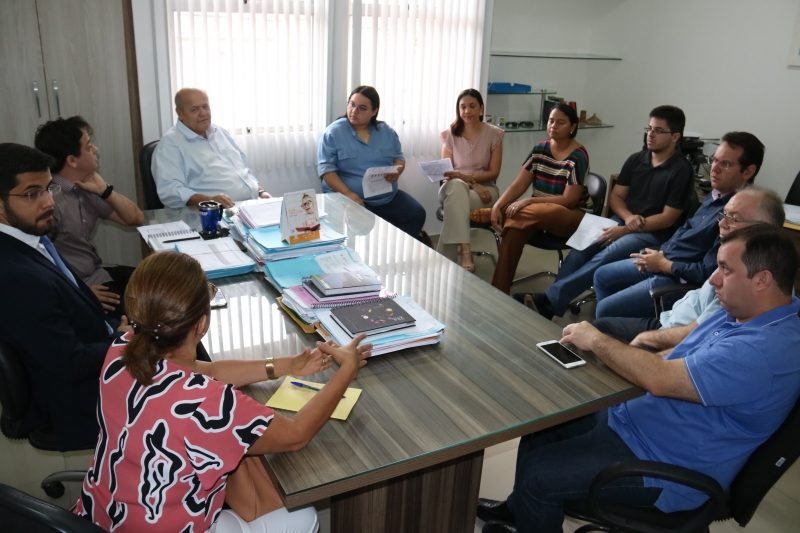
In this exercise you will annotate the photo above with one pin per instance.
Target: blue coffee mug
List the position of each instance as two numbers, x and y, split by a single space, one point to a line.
209 215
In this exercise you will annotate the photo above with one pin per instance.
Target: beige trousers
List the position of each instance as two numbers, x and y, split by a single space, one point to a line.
458 201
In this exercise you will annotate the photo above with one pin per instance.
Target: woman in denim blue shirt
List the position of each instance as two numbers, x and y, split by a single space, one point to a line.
358 141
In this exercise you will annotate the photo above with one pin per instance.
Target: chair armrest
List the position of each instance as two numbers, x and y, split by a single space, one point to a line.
676 474
659 292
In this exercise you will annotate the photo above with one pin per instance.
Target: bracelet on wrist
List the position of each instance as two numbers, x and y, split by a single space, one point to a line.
269 365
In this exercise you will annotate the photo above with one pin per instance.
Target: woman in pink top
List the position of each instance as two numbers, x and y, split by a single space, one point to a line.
173 429
476 149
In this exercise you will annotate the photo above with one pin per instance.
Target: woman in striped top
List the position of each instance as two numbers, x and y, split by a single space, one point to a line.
556 168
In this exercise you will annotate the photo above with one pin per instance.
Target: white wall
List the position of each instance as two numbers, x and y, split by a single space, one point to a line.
724 62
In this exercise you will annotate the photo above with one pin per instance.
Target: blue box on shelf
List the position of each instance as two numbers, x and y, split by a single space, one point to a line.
504 87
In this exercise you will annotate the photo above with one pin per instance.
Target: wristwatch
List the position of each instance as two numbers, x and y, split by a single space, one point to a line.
107 192
472 179
270 366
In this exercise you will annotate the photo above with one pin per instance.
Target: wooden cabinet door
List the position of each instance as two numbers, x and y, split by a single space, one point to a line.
21 69
83 44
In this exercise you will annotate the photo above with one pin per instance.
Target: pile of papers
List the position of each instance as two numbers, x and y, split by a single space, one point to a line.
265 244
263 213
426 330
218 257
292 272
792 214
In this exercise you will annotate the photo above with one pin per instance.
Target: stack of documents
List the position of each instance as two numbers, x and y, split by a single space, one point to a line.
266 244
218 257
264 213
301 301
292 272
426 330
792 214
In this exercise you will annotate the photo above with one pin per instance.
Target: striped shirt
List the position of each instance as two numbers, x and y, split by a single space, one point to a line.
550 175
76 214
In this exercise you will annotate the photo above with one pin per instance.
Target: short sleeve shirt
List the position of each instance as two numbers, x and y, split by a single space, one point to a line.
341 150
76 215
474 155
165 450
747 376
550 175
651 188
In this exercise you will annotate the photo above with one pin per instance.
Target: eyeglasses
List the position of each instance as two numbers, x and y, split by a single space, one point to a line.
732 221
721 162
357 108
32 197
307 203
657 131
212 290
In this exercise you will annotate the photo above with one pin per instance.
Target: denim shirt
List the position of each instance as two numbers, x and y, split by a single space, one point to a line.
342 151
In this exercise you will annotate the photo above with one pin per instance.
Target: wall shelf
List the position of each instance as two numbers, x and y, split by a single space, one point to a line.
553 55
542 128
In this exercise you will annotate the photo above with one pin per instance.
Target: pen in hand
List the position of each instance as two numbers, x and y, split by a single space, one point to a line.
304 386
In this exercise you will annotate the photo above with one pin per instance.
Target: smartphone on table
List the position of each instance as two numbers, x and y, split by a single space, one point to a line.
563 355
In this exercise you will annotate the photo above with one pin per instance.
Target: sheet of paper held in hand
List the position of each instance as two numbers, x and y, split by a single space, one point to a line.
435 169
589 230
375 183
291 398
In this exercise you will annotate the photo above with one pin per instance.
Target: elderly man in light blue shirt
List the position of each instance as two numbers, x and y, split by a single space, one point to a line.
752 205
198 161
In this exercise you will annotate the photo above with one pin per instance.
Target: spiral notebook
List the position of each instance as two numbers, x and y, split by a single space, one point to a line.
161 237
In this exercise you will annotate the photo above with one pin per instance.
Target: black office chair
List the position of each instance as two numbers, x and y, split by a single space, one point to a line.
762 470
597 186
22 512
793 196
151 199
477 225
15 398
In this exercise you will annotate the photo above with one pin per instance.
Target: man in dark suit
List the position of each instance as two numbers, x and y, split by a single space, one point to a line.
48 314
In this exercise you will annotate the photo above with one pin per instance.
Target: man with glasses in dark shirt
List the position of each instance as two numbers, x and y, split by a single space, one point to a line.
49 316
650 195
690 256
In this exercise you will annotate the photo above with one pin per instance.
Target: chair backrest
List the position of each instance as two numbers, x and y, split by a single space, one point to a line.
596 186
23 512
15 391
793 197
151 199
764 467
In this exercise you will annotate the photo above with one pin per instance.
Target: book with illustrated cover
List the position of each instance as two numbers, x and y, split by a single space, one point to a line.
348 282
372 317
314 291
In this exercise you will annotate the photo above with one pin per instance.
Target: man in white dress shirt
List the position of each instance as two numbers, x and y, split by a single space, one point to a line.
198 161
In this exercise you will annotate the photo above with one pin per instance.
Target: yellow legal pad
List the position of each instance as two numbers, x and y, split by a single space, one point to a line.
291 398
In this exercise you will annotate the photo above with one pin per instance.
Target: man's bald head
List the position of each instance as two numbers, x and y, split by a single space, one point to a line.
193 109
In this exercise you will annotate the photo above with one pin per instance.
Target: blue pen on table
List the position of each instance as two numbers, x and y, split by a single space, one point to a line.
304 386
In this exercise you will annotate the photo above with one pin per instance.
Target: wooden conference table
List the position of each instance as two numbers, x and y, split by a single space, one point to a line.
409 456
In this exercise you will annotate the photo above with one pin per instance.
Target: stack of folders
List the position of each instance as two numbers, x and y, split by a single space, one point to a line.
292 272
305 304
390 325
265 244
218 257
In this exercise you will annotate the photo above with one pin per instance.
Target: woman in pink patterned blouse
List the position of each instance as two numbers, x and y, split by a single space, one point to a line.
476 149
172 429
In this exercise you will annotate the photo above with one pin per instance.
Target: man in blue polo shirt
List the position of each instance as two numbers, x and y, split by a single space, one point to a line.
712 401
623 287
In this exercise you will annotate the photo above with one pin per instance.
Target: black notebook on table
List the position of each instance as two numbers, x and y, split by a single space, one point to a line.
372 317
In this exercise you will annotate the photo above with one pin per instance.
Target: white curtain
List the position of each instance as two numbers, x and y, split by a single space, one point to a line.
419 54
263 64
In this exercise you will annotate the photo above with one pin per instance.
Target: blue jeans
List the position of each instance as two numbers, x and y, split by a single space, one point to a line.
577 270
402 211
560 463
624 291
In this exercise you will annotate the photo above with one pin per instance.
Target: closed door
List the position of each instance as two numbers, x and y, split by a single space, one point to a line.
23 93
